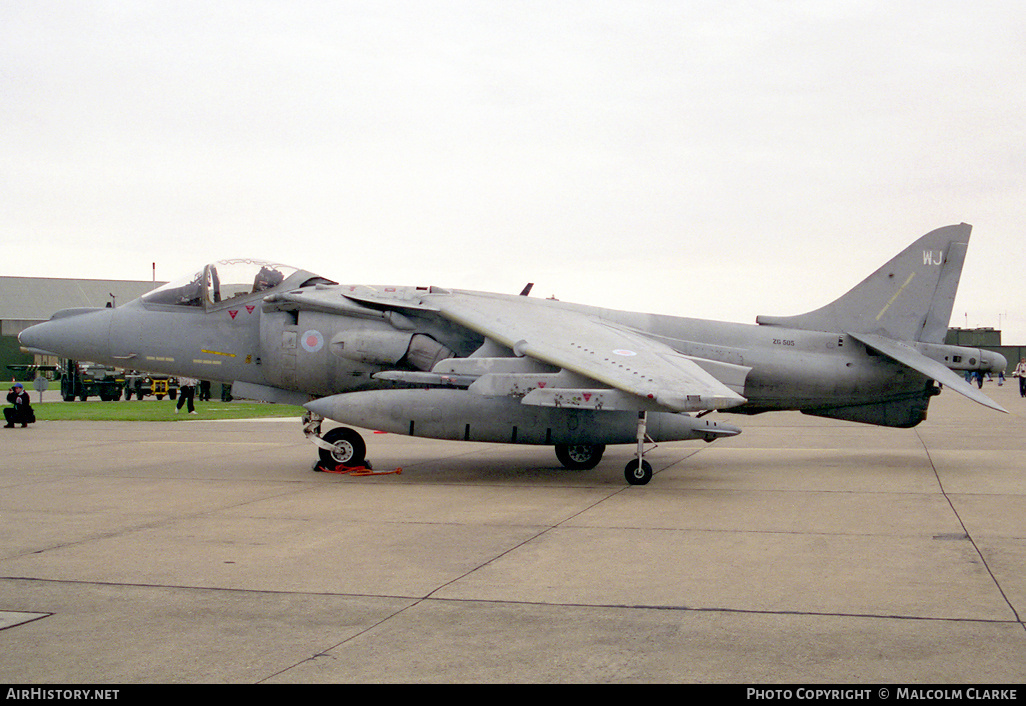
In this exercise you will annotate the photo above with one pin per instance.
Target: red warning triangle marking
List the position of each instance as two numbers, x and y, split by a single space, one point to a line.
233 313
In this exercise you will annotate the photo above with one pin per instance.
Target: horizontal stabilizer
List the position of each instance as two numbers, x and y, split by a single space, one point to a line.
906 355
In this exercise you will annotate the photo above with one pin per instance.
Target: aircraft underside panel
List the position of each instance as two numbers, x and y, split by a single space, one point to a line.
902 413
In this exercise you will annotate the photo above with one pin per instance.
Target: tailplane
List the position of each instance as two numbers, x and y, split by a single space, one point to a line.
908 299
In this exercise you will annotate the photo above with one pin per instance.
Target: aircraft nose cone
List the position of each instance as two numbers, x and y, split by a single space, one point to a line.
77 334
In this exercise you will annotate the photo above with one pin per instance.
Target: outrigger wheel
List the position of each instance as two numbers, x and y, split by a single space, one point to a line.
639 471
348 449
638 474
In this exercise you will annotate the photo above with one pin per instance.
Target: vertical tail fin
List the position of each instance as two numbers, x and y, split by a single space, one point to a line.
909 298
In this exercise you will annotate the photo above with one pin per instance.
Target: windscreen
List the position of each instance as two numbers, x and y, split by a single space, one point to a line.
229 279
220 282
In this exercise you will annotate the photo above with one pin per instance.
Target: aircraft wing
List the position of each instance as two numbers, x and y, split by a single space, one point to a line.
642 372
906 355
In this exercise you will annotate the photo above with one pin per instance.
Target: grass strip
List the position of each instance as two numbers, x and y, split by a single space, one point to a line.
157 411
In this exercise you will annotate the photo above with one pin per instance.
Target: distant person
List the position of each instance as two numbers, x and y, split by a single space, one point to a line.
186 393
204 391
21 412
1020 372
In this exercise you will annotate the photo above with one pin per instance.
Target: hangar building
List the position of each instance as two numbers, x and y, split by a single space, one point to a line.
30 300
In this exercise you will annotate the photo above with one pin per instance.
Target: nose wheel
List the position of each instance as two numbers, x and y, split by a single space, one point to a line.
338 446
345 447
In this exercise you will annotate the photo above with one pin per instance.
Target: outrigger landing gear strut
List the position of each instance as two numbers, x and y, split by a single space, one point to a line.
639 471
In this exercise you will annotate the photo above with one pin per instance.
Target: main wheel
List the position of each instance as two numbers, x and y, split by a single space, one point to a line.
349 448
579 457
638 474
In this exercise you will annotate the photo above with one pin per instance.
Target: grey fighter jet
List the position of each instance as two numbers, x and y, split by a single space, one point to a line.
474 366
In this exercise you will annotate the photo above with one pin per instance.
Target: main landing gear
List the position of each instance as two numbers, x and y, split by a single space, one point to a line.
582 457
579 457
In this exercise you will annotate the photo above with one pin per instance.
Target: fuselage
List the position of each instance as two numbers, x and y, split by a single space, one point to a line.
303 350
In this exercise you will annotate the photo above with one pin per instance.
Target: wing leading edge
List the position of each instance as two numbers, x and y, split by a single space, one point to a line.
642 373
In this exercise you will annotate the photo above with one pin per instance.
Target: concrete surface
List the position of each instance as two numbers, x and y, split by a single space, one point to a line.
805 550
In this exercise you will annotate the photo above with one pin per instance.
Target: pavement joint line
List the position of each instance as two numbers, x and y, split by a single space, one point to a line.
976 548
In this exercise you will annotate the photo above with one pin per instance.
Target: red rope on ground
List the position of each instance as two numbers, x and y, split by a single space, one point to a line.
354 470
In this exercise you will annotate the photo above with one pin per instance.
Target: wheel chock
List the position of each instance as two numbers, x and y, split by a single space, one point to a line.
359 471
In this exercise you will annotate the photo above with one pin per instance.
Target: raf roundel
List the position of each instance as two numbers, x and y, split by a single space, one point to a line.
312 341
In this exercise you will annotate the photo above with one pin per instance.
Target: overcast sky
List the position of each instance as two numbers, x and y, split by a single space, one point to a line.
713 159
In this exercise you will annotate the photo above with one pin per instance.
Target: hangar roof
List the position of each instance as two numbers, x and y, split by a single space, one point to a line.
37 298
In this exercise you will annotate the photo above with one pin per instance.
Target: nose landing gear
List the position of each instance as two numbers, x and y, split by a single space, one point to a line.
340 446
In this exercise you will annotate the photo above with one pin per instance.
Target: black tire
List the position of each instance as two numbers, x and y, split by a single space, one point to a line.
580 457
350 449
636 475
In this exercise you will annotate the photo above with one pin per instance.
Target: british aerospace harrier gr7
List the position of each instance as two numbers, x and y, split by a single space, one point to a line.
474 366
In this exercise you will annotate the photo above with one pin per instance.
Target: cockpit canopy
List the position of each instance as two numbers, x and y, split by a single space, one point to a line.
226 280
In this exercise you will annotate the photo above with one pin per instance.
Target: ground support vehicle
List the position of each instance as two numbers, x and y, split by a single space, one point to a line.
142 385
85 380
